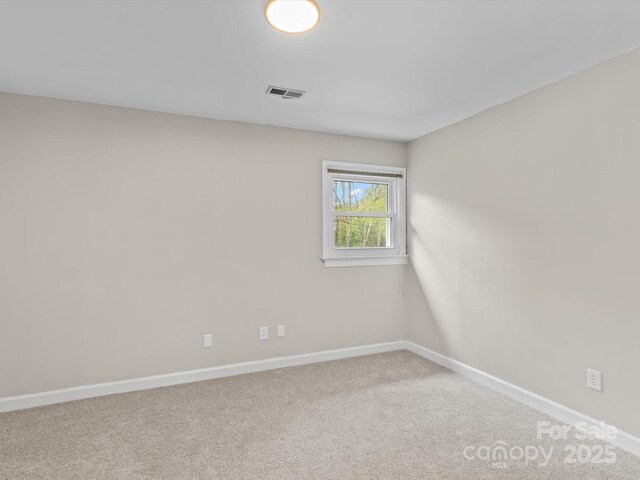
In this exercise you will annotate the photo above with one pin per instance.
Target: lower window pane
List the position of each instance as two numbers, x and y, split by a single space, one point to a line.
363 232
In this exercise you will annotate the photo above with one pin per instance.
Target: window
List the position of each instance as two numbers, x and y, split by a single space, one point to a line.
364 219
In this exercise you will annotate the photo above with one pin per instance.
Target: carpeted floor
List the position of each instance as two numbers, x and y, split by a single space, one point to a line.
388 416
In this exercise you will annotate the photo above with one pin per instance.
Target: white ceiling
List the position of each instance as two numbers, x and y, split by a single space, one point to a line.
384 69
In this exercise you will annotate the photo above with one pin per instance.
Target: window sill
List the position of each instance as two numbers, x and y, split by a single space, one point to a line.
365 261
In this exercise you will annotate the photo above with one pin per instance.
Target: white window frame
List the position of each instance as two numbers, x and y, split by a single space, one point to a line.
396 254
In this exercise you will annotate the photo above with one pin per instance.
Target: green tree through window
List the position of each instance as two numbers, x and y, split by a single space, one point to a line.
355 200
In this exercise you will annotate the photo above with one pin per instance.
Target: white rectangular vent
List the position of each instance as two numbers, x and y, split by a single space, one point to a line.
284 92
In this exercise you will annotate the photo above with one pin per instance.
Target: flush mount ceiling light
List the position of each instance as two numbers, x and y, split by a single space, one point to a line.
292 16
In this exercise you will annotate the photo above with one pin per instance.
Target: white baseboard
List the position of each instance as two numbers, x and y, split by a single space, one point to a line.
624 440
78 393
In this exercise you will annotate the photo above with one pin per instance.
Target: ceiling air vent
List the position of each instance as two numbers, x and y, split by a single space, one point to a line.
284 92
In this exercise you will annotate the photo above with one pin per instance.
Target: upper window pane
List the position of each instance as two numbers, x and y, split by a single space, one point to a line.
349 196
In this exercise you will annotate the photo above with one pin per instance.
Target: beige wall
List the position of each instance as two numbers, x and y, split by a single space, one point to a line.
126 235
524 234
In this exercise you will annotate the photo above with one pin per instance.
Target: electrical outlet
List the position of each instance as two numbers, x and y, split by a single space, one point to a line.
594 380
208 341
280 331
264 333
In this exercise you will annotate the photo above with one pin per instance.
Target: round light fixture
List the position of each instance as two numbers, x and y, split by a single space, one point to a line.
292 16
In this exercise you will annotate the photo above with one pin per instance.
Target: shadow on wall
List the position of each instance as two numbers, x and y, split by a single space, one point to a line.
423 324
435 231
474 287
523 296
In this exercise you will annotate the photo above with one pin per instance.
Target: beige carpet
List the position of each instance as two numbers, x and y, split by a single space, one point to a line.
388 416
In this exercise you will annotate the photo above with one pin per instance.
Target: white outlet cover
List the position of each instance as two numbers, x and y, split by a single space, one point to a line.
208 341
594 380
264 333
